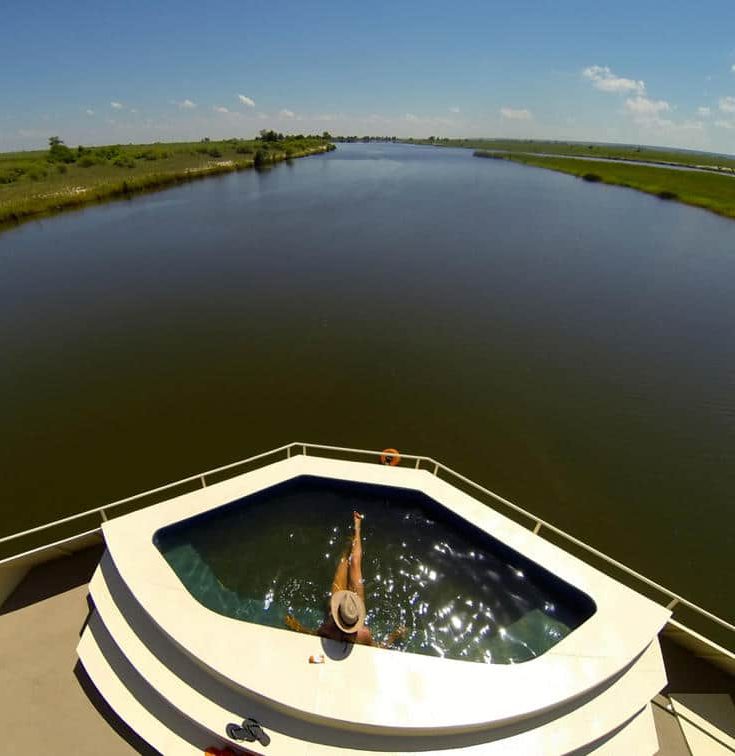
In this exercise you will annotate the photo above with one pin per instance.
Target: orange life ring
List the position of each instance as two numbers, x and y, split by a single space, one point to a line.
390 457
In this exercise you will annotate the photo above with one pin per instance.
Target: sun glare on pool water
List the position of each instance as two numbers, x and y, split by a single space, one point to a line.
460 593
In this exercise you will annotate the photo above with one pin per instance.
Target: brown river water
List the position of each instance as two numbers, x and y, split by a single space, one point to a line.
569 346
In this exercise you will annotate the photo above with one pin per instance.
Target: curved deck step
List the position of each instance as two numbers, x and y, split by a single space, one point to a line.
201 698
146 723
637 737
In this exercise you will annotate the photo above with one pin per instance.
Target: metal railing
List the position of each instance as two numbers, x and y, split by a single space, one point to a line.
419 462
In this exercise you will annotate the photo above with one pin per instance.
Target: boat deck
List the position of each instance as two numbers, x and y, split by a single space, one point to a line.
48 704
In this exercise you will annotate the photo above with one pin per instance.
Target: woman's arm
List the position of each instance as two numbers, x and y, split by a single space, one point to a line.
293 624
399 632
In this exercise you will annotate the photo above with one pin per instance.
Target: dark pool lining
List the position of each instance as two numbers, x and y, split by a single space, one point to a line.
573 606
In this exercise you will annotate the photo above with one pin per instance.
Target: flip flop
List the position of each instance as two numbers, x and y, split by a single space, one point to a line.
236 732
258 733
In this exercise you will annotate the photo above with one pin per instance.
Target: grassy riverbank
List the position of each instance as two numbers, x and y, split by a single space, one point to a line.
701 189
34 184
654 155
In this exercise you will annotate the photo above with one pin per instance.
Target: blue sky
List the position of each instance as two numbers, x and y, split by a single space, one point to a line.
100 72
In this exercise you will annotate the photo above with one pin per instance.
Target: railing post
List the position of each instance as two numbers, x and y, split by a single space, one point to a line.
418 462
288 452
204 482
672 604
303 448
103 515
537 527
436 468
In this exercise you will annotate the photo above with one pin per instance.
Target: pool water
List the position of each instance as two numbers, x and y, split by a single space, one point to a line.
459 592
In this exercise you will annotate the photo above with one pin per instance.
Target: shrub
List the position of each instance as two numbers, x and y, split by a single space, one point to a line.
61 168
261 157
107 153
243 149
124 162
59 152
11 175
87 161
214 152
37 172
667 195
592 177
268 135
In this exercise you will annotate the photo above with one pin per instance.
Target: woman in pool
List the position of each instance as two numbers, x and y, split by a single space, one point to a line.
346 620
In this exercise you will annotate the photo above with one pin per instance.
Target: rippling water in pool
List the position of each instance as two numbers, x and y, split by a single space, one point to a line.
460 593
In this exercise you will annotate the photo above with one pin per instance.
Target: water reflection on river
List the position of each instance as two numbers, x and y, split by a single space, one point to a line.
568 345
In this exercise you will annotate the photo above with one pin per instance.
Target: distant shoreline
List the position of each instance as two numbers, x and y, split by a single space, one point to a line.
700 179
45 188
696 187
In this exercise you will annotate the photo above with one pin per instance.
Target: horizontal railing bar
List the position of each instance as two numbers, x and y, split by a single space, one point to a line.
150 491
347 449
302 447
715 647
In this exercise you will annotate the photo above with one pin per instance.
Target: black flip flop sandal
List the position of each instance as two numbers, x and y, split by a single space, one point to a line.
236 732
257 732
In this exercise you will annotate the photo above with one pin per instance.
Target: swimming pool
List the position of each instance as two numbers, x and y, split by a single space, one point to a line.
461 593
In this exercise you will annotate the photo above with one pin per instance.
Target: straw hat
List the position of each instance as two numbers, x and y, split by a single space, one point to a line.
348 611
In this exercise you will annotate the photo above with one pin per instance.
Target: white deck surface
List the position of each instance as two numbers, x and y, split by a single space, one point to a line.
397 692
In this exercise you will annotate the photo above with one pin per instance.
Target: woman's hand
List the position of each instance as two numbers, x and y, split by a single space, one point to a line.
399 632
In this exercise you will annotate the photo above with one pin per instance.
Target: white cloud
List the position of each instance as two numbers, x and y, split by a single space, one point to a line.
727 104
704 112
116 105
286 113
186 105
689 126
725 124
653 121
246 101
89 112
220 109
643 106
516 115
732 68
605 80
133 110
454 109
410 117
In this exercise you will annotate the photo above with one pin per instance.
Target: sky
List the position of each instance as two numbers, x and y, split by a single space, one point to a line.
631 71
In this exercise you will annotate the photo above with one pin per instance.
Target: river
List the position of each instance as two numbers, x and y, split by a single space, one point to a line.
568 345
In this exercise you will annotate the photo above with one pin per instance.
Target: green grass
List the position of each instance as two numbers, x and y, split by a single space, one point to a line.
584 149
702 189
38 183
